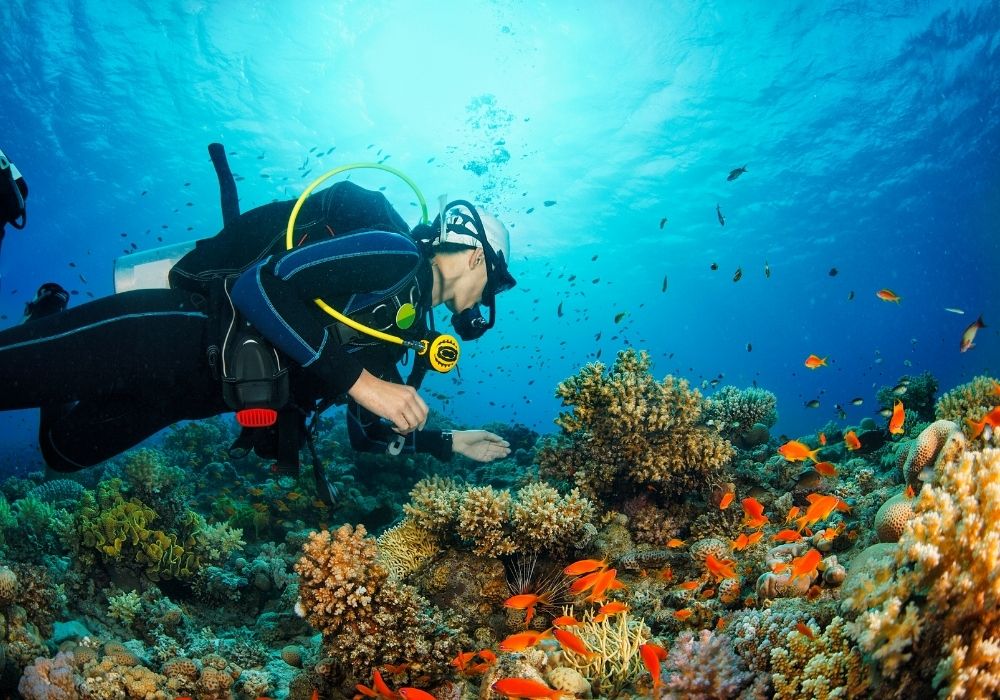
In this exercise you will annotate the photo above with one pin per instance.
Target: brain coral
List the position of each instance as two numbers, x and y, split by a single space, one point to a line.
626 431
938 442
931 622
891 518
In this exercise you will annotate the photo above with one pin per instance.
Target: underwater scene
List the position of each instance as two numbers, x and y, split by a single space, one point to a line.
489 349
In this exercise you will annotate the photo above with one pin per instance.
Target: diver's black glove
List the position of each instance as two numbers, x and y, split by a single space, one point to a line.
13 192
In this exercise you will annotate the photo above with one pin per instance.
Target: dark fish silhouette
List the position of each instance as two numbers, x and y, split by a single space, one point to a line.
767 270
833 272
549 203
850 296
559 310
733 174
664 284
718 213
814 403
749 347
738 275
663 222
714 266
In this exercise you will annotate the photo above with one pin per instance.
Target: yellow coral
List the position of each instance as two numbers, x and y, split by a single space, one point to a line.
827 666
614 643
972 400
626 425
405 547
434 504
541 518
935 621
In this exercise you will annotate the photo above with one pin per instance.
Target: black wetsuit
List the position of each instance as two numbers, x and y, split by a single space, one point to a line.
114 371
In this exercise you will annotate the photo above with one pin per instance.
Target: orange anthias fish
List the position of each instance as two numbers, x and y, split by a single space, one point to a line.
896 422
720 568
888 295
527 602
652 655
805 566
970 334
754 512
415 694
585 566
795 451
523 640
683 614
726 500
803 628
991 419
613 608
814 361
819 509
822 438
787 536
741 542
568 640
604 582
565 621
826 468
526 688
851 441
754 537
674 543
792 512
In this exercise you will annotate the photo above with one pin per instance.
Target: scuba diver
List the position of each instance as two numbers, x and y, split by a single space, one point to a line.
245 325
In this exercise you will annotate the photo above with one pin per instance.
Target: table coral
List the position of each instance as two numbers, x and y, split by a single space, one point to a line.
932 622
627 429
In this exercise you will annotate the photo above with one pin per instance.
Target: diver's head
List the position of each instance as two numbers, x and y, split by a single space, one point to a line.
471 250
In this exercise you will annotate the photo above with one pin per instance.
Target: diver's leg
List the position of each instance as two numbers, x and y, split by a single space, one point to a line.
92 431
103 348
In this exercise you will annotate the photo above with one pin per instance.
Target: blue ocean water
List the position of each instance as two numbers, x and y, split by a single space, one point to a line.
870 132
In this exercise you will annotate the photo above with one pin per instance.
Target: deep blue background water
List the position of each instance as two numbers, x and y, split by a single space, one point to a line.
871 132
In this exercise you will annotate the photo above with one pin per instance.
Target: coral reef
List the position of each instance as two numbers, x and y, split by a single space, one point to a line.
614 644
406 547
891 518
824 666
931 621
969 401
626 431
938 442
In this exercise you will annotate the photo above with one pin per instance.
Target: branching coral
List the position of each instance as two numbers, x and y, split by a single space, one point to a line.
934 621
704 667
627 427
735 411
496 523
824 667
365 618
970 401
406 547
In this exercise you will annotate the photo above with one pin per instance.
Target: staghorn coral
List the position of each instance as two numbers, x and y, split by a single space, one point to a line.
367 619
827 666
405 547
614 643
931 621
626 430
972 401
704 667
736 411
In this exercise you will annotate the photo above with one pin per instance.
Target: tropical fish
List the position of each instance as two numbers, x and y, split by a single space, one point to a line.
803 628
991 419
714 266
526 688
620 315
814 361
953 310
754 512
604 582
741 542
733 174
718 213
888 295
850 296
805 566
857 401
749 347
787 536
851 441
819 509
754 537
970 334
520 641
832 272
720 568
664 287
792 512
826 468
738 275
812 403
663 222
652 655
822 438
674 543
795 451
415 694
585 566
767 270
896 422
689 585
568 640
612 608
727 498
527 602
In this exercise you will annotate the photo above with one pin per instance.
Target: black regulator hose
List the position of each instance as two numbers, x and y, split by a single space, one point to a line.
227 185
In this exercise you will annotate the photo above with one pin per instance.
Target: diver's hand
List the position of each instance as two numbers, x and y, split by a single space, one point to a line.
397 403
480 445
